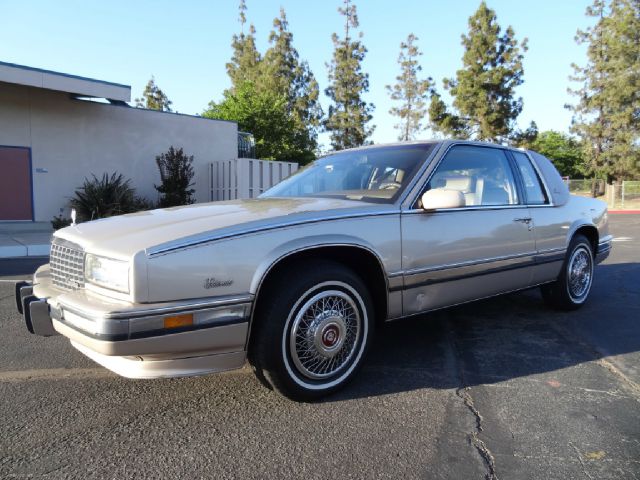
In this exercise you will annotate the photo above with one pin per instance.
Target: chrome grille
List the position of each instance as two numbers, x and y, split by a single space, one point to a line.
67 265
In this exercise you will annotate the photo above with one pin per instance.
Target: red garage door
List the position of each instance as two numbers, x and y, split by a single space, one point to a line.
15 184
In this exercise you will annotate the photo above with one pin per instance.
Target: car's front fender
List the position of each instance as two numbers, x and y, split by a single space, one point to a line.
308 243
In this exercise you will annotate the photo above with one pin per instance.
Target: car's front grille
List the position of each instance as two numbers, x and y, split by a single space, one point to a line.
67 265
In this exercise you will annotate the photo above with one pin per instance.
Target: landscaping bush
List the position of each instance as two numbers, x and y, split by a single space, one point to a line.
105 197
59 222
176 173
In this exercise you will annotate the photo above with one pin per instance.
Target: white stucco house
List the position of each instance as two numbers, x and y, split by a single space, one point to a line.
54 133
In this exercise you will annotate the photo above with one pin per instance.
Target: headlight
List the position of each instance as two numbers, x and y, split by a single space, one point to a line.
107 272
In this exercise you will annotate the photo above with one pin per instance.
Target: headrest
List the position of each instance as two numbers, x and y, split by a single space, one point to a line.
462 184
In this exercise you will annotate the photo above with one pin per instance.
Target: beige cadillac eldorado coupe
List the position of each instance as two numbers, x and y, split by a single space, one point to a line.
297 280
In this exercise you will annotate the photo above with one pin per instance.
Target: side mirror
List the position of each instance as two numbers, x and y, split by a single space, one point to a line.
442 198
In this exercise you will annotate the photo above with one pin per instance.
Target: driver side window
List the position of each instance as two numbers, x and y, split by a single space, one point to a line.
481 174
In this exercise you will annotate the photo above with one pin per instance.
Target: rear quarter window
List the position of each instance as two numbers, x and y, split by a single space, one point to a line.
534 192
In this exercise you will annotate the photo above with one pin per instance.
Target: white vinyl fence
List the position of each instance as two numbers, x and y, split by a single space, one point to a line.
245 177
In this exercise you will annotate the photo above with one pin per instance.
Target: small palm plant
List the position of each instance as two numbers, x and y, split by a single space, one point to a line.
105 197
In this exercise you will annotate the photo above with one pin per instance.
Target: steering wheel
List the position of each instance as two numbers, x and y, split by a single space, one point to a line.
389 186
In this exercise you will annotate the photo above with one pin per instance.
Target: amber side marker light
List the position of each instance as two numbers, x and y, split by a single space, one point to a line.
178 321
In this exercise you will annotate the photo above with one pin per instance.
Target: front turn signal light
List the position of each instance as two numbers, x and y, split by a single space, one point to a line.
178 321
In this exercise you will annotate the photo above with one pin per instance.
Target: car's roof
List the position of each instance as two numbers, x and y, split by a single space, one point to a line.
426 142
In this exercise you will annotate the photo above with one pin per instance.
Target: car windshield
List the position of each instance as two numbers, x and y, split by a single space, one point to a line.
371 174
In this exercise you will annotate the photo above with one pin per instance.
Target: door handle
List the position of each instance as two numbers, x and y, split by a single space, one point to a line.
527 220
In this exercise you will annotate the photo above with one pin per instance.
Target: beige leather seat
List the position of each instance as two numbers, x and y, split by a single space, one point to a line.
465 184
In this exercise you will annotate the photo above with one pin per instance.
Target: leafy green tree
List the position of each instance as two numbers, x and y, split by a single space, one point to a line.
265 115
525 138
245 60
349 114
284 73
176 174
564 151
483 91
410 91
153 98
607 114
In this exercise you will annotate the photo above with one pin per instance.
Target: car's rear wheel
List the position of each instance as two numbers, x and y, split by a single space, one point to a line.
311 338
571 290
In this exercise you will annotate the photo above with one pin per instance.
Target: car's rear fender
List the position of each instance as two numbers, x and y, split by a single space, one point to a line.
591 221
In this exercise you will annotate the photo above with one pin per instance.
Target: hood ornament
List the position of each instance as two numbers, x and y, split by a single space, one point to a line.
73 217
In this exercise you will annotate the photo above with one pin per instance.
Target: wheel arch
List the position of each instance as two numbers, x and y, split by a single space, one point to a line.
345 250
590 232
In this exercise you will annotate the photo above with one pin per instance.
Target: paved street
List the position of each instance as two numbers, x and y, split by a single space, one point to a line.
504 388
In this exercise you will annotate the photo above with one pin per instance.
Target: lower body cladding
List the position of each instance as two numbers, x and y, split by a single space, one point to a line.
175 341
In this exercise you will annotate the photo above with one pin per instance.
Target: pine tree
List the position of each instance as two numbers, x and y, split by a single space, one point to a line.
590 119
607 115
245 60
285 74
410 91
280 76
153 98
349 114
484 88
525 138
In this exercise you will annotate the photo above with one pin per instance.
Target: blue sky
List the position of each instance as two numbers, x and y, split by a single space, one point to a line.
186 44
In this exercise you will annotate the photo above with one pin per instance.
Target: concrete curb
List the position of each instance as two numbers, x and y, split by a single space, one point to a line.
24 240
19 246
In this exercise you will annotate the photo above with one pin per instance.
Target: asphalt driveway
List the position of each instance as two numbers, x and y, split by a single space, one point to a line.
503 388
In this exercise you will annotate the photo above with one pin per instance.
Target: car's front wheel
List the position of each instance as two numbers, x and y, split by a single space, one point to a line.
312 336
571 290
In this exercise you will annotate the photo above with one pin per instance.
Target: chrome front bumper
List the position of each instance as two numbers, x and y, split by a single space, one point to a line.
132 339
604 248
35 311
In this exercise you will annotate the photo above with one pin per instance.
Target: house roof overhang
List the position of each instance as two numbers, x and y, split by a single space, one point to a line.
62 82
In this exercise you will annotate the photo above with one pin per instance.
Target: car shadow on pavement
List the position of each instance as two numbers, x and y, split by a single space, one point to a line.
21 266
502 338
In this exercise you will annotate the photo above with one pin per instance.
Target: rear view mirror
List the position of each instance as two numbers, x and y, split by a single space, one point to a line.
442 198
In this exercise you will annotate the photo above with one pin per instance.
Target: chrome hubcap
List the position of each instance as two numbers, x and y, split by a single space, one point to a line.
324 334
328 335
579 273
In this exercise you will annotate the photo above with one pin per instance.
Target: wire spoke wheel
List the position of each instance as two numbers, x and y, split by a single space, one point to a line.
571 289
313 330
324 335
579 273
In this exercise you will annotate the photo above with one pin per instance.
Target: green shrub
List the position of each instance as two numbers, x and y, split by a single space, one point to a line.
140 204
176 173
59 222
105 197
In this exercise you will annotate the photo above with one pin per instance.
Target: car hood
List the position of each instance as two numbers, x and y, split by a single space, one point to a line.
125 235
